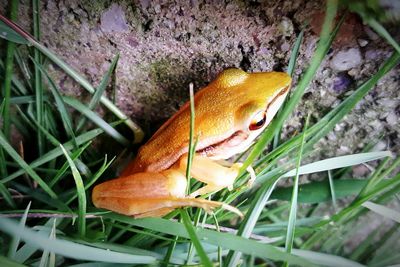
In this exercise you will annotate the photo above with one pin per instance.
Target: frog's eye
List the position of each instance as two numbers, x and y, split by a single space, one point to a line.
258 121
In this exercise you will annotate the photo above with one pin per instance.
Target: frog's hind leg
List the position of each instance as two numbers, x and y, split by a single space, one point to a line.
166 205
154 213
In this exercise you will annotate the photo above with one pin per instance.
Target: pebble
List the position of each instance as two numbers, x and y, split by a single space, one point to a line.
345 60
113 20
341 82
391 119
362 42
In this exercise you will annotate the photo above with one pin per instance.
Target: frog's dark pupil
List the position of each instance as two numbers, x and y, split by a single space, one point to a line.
257 125
261 122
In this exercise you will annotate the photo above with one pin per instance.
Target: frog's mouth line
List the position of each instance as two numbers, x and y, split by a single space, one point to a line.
232 141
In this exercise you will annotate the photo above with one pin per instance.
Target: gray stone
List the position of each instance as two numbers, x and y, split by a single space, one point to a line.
346 59
113 20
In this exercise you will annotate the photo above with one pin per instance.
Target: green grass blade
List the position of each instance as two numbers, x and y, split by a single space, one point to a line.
6 195
10 35
97 120
9 263
17 158
291 67
80 190
339 162
332 189
99 91
193 237
317 192
75 155
224 240
71 249
16 238
293 205
64 114
54 153
26 251
323 259
192 145
383 211
95 177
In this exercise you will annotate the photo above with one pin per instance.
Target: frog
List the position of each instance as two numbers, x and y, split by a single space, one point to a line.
230 113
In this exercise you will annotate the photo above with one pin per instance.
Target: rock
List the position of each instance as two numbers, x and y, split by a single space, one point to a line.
341 82
345 60
392 118
113 20
362 42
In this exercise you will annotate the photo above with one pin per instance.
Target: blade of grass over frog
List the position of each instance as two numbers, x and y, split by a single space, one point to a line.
192 146
64 114
339 162
291 66
81 194
77 77
8 73
10 150
97 120
38 77
323 45
99 91
382 210
16 238
71 249
317 192
224 240
195 240
293 204
54 153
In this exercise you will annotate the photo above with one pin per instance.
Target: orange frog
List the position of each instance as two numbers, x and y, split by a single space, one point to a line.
229 114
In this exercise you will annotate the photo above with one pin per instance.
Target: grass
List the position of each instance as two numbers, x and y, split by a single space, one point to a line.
51 177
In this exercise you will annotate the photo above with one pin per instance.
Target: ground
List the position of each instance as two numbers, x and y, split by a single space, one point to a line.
165 45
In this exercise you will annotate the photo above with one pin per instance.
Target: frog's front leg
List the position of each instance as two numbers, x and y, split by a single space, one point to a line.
215 175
